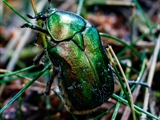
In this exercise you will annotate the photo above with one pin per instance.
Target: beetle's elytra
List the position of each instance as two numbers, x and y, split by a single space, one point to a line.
85 76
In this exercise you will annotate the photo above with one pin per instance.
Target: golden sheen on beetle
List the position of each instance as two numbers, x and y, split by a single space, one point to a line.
85 77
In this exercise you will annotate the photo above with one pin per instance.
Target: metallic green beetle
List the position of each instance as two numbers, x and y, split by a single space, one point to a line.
85 75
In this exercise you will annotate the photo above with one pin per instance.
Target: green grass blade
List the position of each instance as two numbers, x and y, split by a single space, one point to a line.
24 88
16 72
122 42
16 11
136 107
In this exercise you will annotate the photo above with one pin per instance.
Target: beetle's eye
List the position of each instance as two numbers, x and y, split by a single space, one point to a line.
43 17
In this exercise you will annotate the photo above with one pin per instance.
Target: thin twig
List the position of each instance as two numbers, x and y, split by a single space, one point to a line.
150 77
141 78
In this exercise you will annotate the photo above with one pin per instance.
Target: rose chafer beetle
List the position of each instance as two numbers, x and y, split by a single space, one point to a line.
85 77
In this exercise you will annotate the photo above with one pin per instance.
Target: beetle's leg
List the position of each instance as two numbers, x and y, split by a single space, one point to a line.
34 27
39 56
35 41
50 81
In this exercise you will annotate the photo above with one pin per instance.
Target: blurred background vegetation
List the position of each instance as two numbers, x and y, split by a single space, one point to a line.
135 22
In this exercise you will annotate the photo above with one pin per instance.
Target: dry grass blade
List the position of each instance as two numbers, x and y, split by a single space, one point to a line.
150 76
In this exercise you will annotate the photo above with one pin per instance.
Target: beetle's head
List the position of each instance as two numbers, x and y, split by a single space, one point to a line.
43 15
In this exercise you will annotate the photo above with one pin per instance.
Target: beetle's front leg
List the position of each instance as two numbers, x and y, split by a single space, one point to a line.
50 81
34 27
37 59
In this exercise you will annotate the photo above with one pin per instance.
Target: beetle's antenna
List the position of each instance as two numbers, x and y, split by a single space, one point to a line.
31 17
